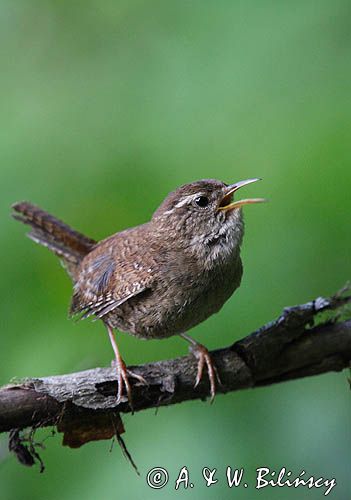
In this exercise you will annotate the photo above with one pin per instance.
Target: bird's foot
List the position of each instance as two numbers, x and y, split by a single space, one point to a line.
203 356
123 384
123 374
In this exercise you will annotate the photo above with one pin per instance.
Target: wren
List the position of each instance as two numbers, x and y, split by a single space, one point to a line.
160 278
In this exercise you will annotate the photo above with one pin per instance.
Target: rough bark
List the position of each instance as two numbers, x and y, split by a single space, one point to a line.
305 340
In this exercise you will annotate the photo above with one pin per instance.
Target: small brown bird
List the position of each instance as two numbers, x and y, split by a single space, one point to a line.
160 278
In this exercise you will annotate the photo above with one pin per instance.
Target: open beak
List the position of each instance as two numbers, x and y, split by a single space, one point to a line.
227 202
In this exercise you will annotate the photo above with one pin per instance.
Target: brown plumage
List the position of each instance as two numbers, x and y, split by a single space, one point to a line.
69 245
157 279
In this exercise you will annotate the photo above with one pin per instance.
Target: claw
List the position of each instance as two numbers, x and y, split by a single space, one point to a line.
137 377
203 356
122 381
123 374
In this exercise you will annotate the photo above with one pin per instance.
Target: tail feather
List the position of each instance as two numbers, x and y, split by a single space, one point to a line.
68 244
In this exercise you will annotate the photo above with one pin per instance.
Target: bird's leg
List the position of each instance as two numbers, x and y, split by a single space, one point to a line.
203 356
122 372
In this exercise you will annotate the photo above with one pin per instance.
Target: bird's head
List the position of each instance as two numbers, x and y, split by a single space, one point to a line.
204 217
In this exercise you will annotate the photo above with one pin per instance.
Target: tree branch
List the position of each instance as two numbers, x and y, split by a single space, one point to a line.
305 340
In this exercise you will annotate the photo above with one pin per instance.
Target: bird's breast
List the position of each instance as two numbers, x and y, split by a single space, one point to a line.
181 298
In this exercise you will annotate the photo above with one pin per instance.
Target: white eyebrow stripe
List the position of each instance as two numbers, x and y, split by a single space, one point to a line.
186 200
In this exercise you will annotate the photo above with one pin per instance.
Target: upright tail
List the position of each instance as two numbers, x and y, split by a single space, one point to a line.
69 245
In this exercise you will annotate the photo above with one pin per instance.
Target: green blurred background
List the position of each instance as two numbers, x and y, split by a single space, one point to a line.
106 107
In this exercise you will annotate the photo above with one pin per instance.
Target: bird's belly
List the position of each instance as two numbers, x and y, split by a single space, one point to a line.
164 312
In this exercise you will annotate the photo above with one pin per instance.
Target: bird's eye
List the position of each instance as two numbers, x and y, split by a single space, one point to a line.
201 201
